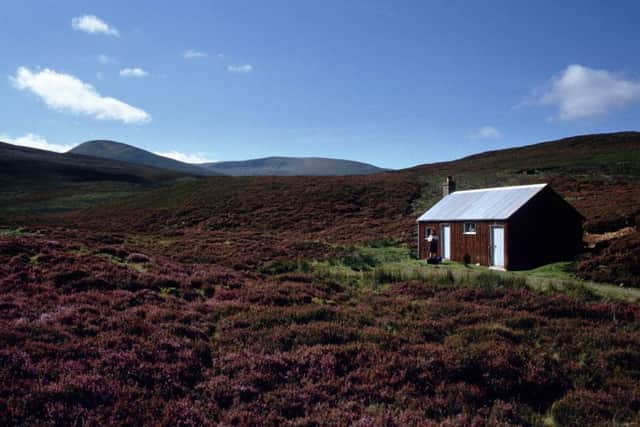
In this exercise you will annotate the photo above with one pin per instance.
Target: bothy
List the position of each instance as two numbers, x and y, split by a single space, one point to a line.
513 228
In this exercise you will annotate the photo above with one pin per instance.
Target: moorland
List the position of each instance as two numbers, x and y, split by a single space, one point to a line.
134 295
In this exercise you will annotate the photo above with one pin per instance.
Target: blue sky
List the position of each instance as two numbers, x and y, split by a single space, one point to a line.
394 83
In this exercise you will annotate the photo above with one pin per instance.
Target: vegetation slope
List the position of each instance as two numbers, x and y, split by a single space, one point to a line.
35 181
296 301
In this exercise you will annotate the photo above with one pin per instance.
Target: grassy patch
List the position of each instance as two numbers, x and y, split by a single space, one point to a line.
14 232
64 203
557 270
376 265
140 268
367 267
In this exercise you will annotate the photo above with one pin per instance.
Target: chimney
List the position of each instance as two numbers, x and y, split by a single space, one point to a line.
448 187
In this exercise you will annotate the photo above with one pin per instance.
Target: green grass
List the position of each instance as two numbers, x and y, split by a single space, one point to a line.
373 268
42 198
364 258
557 270
141 268
14 232
63 203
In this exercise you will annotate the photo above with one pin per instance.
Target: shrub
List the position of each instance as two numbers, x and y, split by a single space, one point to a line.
137 258
585 408
359 261
493 281
279 267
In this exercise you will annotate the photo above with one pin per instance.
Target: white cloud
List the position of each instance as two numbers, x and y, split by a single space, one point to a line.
64 92
488 132
185 157
34 141
133 72
247 68
194 54
106 59
93 25
580 92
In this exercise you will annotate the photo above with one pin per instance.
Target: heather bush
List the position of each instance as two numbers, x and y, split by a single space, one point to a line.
279 267
615 262
137 258
582 408
87 339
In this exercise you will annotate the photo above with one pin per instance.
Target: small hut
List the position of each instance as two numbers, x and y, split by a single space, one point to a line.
516 227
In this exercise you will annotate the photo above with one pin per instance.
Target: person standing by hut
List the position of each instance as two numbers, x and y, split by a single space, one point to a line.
432 240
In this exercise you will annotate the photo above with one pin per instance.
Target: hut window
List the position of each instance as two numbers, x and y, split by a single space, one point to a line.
469 228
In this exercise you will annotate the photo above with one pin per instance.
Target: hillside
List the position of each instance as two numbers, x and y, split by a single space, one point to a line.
124 329
598 174
614 154
39 181
299 301
128 153
293 166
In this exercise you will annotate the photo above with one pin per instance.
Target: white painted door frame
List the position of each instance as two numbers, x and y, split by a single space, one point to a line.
445 241
496 246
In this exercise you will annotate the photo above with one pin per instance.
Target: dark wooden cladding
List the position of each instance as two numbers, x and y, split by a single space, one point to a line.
477 246
545 229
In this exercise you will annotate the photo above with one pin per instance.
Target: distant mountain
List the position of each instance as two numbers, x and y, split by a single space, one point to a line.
39 166
42 181
128 153
292 166
281 166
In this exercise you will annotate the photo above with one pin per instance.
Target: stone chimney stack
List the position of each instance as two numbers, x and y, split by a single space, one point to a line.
448 187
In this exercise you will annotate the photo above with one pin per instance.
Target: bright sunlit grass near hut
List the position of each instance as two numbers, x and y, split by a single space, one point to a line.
378 265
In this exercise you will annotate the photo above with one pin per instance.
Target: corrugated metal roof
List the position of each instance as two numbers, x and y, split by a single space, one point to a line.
484 204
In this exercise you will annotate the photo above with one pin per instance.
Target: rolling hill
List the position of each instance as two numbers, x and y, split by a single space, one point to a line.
33 165
293 166
34 180
279 166
128 153
598 174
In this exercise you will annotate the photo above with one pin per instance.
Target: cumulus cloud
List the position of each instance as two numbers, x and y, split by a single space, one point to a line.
579 92
64 92
185 157
488 132
34 141
93 25
193 54
133 72
105 59
247 68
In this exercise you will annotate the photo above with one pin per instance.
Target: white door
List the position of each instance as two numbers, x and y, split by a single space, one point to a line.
446 241
497 246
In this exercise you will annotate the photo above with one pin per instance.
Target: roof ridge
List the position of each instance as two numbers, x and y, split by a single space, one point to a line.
500 188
